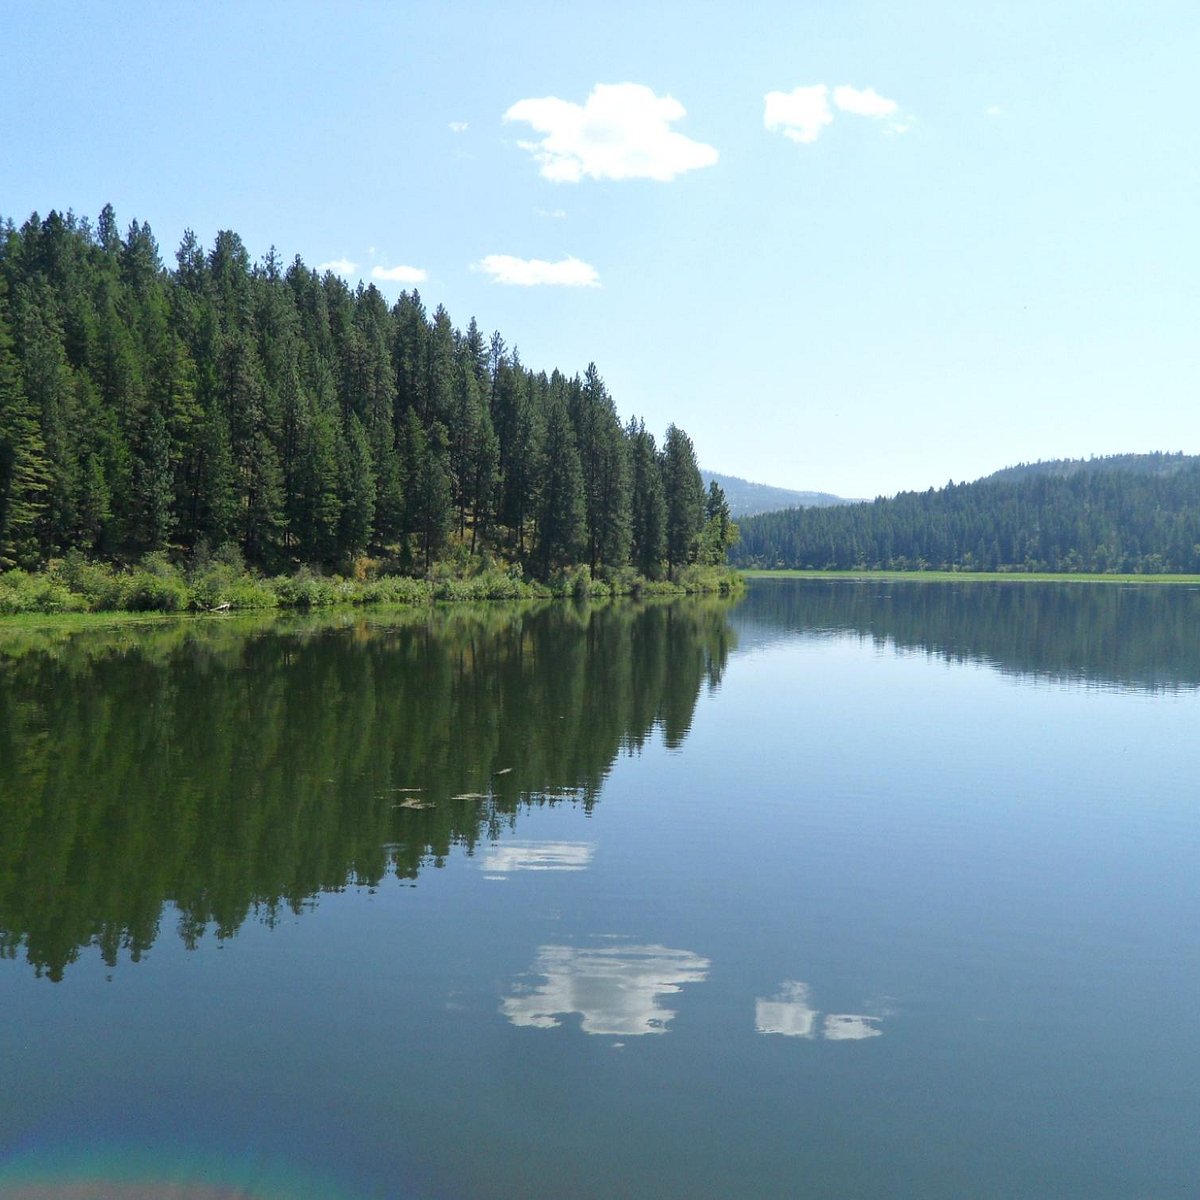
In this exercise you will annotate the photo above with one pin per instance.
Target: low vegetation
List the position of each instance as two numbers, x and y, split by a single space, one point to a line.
223 583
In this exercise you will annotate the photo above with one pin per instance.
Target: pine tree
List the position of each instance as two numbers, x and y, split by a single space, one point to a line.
719 531
562 527
357 490
648 507
24 477
683 490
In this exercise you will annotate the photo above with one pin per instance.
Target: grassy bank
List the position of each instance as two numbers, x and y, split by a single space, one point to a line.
972 576
77 586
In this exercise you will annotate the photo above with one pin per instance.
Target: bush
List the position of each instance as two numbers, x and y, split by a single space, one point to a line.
394 589
24 593
152 591
307 589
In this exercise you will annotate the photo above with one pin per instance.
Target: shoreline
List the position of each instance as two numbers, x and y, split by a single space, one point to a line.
866 573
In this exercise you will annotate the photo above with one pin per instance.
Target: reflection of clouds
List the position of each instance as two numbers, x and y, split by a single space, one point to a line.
538 856
850 1027
616 991
790 1014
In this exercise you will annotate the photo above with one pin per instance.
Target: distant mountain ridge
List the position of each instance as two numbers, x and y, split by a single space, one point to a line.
1156 463
747 499
1123 513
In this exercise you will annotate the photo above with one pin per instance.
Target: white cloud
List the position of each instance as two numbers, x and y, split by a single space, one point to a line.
400 274
803 113
865 103
622 131
535 272
554 214
339 266
800 114
992 110
458 126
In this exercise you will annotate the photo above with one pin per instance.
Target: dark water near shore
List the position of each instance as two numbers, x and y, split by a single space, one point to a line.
850 889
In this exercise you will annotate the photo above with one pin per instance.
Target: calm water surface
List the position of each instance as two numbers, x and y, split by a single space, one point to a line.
848 890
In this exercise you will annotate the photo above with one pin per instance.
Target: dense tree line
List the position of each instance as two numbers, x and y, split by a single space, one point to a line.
1117 518
146 410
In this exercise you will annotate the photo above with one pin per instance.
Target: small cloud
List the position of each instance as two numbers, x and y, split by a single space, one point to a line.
535 272
800 114
992 110
553 214
339 266
458 126
865 103
803 113
400 274
622 131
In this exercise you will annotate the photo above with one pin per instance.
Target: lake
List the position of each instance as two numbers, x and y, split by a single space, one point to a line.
846 889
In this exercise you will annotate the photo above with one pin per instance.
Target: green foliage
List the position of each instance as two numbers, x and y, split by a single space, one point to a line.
1096 518
307 589
684 494
21 592
146 410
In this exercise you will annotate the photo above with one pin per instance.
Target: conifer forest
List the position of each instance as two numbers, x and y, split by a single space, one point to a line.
267 408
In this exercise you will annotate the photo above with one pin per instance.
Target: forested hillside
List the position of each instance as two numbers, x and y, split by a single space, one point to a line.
745 499
1122 517
1141 464
266 406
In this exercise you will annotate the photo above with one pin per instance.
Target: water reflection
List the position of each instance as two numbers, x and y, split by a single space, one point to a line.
242 766
503 857
1128 636
615 990
850 1027
789 1013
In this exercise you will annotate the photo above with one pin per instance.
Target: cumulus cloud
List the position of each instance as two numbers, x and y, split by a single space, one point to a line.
535 272
622 131
339 266
400 274
800 114
993 110
865 103
458 126
804 112
553 214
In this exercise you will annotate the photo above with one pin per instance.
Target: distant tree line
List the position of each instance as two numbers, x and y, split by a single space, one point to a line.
147 410
1125 517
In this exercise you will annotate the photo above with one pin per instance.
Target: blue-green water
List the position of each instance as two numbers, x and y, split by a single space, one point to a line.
848 890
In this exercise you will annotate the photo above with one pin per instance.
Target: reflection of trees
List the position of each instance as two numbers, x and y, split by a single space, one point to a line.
1139 636
237 766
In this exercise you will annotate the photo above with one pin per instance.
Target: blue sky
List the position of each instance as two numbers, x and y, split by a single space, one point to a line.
854 247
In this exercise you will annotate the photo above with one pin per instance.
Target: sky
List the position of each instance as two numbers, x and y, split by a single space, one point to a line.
850 247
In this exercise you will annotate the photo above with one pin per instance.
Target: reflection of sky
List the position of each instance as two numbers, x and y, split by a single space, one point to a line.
537 856
615 990
790 1014
850 1027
